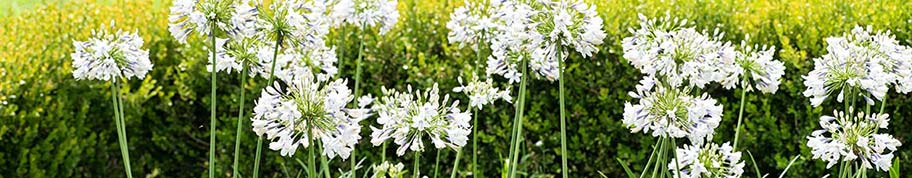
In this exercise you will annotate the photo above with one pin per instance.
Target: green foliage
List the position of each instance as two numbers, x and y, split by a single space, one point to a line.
54 126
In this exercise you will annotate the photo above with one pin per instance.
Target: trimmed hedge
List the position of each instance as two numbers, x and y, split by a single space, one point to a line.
54 126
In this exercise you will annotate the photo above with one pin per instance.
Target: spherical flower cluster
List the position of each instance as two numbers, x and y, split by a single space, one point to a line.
677 54
483 92
297 23
513 37
408 118
107 56
672 112
860 64
237 18
368 13
755 65
471 24
310 110
849 137
294 63
387 169
567 23
234 54
710 160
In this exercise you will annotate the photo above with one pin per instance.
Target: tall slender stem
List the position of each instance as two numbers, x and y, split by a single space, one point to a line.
883 104
563 113
474 145
740 116
312 156
652 158
324 164
518 120
417 161
674 146
358 92
456 164
437 163
121 131
240 121
212 110
259 147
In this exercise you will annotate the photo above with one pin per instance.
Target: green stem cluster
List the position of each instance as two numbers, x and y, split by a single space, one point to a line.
121 127
517 121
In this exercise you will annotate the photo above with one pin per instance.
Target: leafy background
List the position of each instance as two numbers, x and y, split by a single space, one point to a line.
54 126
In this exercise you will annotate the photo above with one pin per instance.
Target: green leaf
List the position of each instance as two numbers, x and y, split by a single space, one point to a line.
894 170
755 164
630 174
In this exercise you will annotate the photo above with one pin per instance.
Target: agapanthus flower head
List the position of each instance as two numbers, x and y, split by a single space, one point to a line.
671 112
237 18
234 54
109 56
669 50
860 64
847 137
408 117
297 23
483 92
368 13
514 36
709 160
295 63
310 110
755 65
388 170
471 24
573 24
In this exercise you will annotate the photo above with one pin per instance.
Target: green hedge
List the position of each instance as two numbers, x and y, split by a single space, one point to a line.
54 126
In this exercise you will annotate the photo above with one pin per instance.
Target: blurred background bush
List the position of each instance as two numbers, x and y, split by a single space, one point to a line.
54 126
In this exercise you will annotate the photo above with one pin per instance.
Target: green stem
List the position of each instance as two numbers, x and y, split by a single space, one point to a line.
358 87
518 120
660 160
674 146
324 164
313 160
121 131
883 104
417 161
240 119
437 163
212 110
474 144
563 114
740 116
259 147
652 158
456 164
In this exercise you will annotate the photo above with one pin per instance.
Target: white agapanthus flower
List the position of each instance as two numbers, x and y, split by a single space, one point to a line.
667 49
709 161
235 17
231 55
755 65
483 92
299 23
845 137
388 170
860 64
108 56
408 117
513 38
471 24
310 110
295 63
367 13
571 24
671 112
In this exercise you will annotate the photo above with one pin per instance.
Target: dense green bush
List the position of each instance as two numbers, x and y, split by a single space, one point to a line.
54 126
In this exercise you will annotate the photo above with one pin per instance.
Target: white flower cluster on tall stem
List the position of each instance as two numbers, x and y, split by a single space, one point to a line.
234 54
709 160
678 54
108 56
407 117
860 61
672 112
235 17
513 39
483 92
294 63
472 24
845 137
367 13
569 23
755 65
310 110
